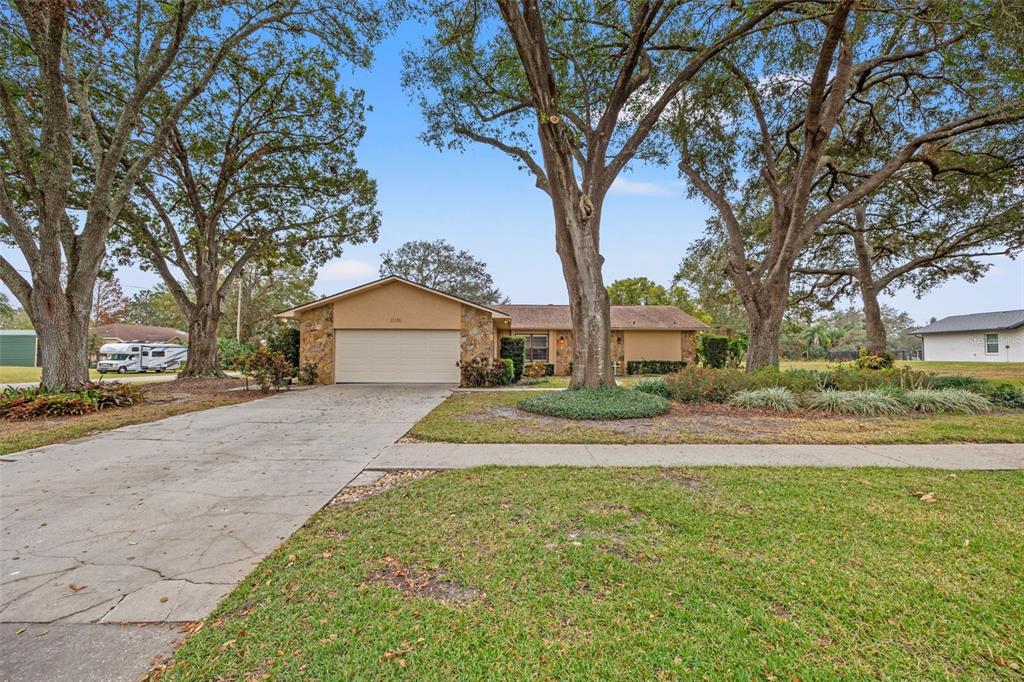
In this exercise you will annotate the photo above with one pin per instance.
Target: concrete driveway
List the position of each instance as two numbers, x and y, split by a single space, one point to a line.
155 523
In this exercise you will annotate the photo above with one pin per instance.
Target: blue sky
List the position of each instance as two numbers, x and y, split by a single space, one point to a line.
479 201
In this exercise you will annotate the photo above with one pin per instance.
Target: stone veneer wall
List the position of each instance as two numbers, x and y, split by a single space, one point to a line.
316 341
477 334
689 348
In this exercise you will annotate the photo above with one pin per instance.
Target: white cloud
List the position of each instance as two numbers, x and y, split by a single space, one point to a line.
640 188
347 269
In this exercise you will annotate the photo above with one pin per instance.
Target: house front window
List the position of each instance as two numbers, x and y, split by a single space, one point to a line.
536 347
992 343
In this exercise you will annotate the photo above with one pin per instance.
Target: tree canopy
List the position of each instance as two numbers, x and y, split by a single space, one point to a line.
441 266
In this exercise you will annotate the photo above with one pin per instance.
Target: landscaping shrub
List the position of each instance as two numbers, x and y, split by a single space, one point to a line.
266 367
285 340
737 350
654 366
702 384
950 400
796 380
32 403
514 348
308 374
229 351
653 386
864 402
1006 395
508 371
596 403
775 398
958 381
481 372
848 377
871 361
535 370
713 351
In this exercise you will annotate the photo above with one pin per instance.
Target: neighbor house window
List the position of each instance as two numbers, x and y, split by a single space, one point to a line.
537 347
991 343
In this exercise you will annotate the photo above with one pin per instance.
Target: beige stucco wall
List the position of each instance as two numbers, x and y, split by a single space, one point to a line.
397 305
653 345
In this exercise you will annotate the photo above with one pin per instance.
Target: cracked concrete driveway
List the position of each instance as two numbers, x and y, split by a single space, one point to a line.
157 522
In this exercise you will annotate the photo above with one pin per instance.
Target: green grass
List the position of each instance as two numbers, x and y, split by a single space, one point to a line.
491 417
642 574
10 374
605 403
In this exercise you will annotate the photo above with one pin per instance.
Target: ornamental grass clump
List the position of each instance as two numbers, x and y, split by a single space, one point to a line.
948 400
866 403
596 403
776 398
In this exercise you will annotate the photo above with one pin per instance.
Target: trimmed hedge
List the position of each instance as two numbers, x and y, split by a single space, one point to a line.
599 403
514 349
654 366
713 350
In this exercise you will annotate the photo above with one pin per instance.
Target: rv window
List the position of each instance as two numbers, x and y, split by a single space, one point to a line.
119 356
145 353
135 348
158 354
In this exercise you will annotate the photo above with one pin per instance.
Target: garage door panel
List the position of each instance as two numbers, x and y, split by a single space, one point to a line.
396 356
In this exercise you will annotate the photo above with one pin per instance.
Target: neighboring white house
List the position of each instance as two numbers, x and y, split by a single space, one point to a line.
981 337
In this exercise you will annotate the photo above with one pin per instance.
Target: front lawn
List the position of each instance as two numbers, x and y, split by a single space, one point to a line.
746 573
493 417
10 374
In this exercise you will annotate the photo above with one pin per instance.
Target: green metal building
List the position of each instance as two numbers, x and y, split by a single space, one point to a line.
18 347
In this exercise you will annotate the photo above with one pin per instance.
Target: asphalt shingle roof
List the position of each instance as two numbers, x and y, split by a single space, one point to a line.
139 332
623 317
976 322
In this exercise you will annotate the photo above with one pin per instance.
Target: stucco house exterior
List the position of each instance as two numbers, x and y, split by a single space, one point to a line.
979 337
396 331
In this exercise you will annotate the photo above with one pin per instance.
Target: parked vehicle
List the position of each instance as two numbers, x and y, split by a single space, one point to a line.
140 357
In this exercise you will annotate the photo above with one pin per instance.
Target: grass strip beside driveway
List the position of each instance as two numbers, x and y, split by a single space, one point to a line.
746 573
492 417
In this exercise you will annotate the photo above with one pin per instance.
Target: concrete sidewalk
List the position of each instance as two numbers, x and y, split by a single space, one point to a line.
457 456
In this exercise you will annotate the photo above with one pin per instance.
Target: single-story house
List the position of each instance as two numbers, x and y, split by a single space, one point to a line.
143 333
396 331
19 348
979 337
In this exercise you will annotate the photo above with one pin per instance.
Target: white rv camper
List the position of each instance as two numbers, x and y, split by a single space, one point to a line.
140 357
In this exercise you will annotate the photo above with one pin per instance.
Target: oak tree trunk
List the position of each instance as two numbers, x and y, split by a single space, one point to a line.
62 329
876 338
765 310
203 359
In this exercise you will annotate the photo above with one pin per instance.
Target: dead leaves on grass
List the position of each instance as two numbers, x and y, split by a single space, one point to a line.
422 583
928 498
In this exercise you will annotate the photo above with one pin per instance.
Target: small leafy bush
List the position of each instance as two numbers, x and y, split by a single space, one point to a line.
1006 395
482 372
654 366
872 361
33 403
535 370
796 380
864 403
957 381
599 403
508 371
285 340
713 351
653 386
269 369
949 400
702 384
514 348
848 377
775 398
308 373
230 351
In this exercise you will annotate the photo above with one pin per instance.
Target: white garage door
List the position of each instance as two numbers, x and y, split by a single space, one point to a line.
396 356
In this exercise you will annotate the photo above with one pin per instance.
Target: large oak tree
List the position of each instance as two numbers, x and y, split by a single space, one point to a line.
794 130
572 92
89 93
261 170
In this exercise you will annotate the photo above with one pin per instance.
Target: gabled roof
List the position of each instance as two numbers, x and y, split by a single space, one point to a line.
139 332
293 312
623 317
976 322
